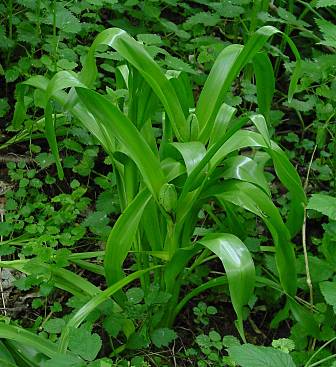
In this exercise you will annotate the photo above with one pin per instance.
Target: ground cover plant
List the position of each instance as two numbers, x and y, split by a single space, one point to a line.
177 162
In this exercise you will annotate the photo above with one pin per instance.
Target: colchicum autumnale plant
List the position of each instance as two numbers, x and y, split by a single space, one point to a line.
170 156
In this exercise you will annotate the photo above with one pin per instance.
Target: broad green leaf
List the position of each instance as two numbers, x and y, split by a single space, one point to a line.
284 170
54 326
172 168
217 84
121 237
5 356
265 83
239 268
65 276
325 3
84 344
328 30
79 111
51 137
64 360
328 289
64 279
227 66
260 124
183 89
222 120
192 152
248 355
253 199
23 336
62 80
177 263
305 318
150 222
26 356
136 54
163 337
206 18
117 124
245 169
324 204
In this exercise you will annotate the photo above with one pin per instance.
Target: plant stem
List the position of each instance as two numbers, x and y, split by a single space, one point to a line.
54 35
323 360
10 26
317 352
304 242
1 287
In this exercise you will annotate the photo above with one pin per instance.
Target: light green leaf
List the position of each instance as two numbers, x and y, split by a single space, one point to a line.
265 82
239 268
192 152
23 336
249 355
150 39
51 137
205 18
65 20
54 326
64 360
325 3
328 290
136 54
116 124
177 64
163 337
251 198
324 204
245 169
85 344
121 237
328 30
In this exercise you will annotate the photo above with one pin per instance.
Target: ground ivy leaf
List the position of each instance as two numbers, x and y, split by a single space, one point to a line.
162 337
249 355
328 290
85 344
324 204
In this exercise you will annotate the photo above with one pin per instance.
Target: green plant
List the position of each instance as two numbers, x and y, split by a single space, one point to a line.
167 166
202 313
